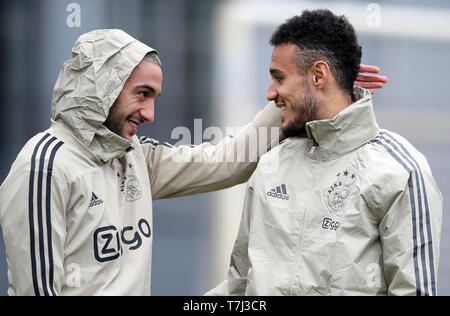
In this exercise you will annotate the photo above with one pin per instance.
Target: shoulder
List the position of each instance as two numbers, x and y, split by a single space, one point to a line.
36 158
39 149
395 150
52 153
389 162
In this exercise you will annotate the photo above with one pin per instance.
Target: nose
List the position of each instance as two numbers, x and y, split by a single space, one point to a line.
148 112
272 93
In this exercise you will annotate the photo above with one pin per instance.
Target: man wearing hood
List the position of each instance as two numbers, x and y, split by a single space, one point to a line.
76 207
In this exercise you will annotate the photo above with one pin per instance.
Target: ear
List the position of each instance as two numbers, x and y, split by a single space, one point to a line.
320 74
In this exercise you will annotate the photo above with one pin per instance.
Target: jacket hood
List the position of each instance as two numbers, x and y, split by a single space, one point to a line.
90 82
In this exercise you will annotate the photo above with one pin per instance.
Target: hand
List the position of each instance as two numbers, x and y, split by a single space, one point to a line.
370 81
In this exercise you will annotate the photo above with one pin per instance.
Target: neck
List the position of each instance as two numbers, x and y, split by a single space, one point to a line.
330 104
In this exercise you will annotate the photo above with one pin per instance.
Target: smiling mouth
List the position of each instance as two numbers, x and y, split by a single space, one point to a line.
135 121
281 104
135 125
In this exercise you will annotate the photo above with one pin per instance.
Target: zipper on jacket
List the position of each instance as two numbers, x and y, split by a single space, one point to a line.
293 287
313 146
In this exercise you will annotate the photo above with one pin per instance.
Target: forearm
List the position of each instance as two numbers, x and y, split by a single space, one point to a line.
185 170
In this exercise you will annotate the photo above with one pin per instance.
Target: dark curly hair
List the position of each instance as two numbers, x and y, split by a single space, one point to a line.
322 35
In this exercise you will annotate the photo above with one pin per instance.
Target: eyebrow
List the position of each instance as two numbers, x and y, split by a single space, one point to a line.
276 72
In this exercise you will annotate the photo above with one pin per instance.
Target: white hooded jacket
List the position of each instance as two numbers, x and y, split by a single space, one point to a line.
348 210
76 207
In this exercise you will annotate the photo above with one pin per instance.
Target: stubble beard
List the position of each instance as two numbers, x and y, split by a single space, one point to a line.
114 122
306 110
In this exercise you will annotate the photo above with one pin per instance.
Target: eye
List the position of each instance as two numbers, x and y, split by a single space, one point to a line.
143 93
277 77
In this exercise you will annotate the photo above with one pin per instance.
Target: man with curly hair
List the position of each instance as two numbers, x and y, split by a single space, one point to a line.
341 207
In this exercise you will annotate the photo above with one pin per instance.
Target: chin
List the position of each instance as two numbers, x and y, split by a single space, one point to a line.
291 130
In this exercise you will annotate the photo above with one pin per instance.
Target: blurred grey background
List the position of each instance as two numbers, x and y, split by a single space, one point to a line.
215 56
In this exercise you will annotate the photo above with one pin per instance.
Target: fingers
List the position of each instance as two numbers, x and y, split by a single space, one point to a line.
371 78
370 82
369 68
369 85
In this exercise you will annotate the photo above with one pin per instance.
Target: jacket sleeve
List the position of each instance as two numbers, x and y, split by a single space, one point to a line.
34 229
184 170
410 236
236 283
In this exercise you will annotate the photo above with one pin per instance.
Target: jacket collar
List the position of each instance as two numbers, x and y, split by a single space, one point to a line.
114 150
351 128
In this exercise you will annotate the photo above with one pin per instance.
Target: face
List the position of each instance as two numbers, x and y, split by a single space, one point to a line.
290 91
135 104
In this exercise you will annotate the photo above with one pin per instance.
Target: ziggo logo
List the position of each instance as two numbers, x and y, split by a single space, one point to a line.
108 240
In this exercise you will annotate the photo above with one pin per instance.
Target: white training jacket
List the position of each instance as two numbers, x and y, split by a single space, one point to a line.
76 207
348 210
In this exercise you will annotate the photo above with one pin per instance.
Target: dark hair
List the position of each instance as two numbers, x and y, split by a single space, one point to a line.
321 35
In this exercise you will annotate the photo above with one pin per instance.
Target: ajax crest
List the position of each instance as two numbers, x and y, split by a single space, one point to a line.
133 190
340 191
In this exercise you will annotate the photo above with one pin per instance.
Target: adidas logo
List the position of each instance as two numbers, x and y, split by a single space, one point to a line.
95 200
280 192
